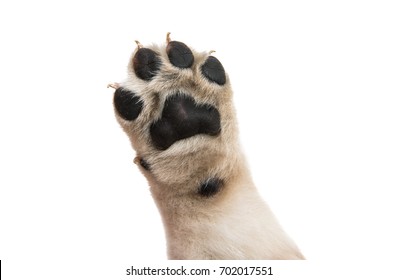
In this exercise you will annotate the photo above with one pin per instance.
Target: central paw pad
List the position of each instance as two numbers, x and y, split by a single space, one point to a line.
173 90
183 118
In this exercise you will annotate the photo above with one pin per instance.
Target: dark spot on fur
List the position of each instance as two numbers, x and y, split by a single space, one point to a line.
213 70
182 118
145 164
146 64
127 104
210 187
179 54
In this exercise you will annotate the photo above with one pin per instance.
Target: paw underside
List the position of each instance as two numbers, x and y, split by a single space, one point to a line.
182 116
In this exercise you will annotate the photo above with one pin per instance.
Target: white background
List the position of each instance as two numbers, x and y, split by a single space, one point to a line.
316 89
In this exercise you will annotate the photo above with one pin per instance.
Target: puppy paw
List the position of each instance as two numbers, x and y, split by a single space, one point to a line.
176 107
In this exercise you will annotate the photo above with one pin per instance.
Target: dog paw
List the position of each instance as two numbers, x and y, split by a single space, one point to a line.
176 108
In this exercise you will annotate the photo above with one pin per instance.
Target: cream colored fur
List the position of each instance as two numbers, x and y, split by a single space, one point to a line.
233 224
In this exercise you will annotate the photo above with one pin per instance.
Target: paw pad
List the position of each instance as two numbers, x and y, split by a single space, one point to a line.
146 64
179 54
183 118
213 70
127 104
210 187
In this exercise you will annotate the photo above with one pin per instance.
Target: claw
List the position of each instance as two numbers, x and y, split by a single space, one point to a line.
168 37
139 45
142 163
113 85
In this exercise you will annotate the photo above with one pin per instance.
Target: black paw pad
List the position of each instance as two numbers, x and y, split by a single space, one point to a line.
213 70
127 104
179 54
146 64
183 118
210 187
